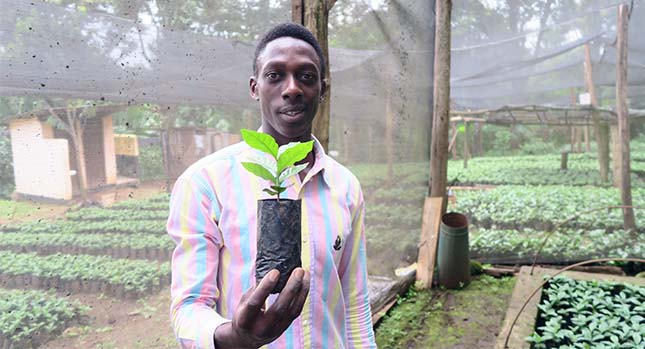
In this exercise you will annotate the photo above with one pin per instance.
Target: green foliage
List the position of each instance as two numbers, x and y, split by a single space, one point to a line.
6 166
14 209
586 314
541 207
280 164
28 318
511 246
81 227
151 163
135 275
101 214
31 241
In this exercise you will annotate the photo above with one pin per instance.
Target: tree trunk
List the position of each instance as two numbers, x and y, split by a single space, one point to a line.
315 16
441 108
466 150
79 150
389 136
600 127
629 222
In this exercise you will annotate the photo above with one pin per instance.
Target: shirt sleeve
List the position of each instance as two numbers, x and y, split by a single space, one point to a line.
194 292
353 277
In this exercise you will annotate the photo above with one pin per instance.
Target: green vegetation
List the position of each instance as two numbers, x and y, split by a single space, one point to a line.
30 318
132 275
101 214
84 243
541 207
89 227
151 163
441 318
15 209
531 170
511 246
6 166
586 314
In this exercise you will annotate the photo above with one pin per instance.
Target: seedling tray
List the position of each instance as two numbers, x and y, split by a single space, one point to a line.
524 286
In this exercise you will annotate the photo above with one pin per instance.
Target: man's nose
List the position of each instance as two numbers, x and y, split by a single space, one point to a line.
292 89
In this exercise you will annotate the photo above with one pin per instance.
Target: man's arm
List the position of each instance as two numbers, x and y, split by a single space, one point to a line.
353 277
195 261
191 224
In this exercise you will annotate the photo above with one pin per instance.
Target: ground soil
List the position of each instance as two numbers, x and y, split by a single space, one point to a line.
114 323
448 319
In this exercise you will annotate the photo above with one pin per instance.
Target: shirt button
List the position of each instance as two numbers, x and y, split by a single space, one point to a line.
305 323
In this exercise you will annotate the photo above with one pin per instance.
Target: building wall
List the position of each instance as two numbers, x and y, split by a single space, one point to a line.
109 150
41 165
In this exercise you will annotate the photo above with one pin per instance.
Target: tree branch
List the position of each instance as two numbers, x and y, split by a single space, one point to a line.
56 116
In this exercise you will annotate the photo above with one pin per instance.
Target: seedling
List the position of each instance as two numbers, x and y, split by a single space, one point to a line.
282 161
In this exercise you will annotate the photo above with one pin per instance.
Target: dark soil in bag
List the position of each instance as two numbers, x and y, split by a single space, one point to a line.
278 245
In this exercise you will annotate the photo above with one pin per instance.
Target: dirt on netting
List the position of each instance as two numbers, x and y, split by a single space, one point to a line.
448 319
114 323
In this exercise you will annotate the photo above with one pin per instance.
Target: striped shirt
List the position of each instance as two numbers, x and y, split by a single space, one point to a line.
213 220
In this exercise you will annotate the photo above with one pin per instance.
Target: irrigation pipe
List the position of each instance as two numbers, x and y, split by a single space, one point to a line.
546 238
510 330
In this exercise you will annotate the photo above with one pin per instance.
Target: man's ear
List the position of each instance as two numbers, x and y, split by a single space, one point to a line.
323 89
253 87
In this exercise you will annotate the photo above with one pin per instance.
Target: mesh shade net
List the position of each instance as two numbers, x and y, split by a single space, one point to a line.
168 66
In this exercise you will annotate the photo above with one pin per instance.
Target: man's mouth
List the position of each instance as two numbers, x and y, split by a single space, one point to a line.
292 110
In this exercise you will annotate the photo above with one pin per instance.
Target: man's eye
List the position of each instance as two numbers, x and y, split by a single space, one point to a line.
272 75
308 76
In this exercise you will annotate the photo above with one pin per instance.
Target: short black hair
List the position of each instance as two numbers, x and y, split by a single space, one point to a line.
295 31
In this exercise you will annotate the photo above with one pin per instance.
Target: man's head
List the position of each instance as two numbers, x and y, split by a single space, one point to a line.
292 30
288 80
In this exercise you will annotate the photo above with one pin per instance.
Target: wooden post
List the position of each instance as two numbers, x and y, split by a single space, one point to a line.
587 144
389 136
600 127
480 139
615 155
314 14
428 241
452 147
466 150
572 129
441 108
629 221
563 160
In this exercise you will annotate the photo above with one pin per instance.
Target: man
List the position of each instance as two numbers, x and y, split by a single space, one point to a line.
215 302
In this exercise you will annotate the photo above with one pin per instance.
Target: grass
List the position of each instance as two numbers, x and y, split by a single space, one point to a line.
15 209
466 318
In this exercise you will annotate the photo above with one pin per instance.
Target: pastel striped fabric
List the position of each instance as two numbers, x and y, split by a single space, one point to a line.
213 219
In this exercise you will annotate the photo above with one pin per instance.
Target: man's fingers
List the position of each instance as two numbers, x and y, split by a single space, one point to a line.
289 293
299 302
258 297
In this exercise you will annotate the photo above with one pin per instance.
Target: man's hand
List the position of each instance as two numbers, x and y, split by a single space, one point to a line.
252 325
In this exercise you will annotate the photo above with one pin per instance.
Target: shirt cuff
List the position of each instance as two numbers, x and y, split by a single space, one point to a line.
198 329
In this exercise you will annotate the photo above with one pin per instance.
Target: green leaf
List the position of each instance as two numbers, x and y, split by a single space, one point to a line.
258 170
293 154
268 163
260 141
270 192
291 171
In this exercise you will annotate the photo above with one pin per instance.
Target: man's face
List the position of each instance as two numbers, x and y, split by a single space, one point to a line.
289 88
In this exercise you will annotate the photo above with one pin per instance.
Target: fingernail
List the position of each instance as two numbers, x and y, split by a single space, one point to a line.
274 275
299 273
